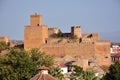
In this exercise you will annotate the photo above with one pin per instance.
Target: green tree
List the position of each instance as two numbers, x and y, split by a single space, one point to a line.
40 58
79 74
21 65
57 72
114 72
88 75
3 45
60 34
74 37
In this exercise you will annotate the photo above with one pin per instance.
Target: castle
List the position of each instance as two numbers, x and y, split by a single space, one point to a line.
84 48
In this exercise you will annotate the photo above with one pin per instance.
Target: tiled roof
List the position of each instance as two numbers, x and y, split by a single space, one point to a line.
43 77
43 68
62 65
115 55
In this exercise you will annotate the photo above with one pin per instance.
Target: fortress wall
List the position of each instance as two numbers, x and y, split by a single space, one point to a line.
32 37
38 36
44 32
50 32
102 50
82 63
76 30
84 50
90 37
53 31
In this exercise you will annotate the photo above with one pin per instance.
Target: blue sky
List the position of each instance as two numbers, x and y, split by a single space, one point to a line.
102 16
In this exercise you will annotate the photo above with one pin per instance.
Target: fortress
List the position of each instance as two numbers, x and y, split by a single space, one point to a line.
86 49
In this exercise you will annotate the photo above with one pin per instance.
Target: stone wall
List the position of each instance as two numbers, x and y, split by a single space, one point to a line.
99 51
44 31
86 47
90 37
32 37
52 32
83 50
102 51
4 38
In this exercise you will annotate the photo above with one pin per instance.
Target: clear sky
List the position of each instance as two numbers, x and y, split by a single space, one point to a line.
102 16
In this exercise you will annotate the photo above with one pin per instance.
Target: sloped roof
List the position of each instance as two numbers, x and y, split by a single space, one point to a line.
115 55
43 68
43 77
62 66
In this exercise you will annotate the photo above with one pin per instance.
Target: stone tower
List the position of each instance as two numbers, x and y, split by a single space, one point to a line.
35 34
76 31
35 20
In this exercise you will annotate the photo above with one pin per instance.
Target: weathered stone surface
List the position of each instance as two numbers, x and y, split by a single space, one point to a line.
86 47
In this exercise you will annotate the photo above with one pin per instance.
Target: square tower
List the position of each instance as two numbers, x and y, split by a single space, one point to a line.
76 31
35 34
35 20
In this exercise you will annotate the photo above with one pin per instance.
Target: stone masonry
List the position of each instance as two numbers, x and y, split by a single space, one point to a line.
83 48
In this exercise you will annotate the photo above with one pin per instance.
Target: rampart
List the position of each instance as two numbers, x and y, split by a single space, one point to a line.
102 51
84 47
83 50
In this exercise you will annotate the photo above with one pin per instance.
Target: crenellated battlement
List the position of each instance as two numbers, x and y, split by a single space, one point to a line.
76 31
74 43
76 26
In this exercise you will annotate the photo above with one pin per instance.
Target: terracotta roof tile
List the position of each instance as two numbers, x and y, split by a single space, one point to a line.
43 77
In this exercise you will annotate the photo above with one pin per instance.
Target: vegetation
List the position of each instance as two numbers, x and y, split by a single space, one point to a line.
3 45
60 40
60 34
104 68
74 37
57 73
22 65
79 74
114 72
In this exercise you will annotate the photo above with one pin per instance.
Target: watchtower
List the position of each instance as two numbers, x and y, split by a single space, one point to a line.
76 31
35 20
35 34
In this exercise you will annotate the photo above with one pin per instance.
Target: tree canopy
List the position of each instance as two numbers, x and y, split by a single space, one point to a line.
3 45
79 74
114 72
57 73
22 65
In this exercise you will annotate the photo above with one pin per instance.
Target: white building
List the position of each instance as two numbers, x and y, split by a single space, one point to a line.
64 68
115 48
